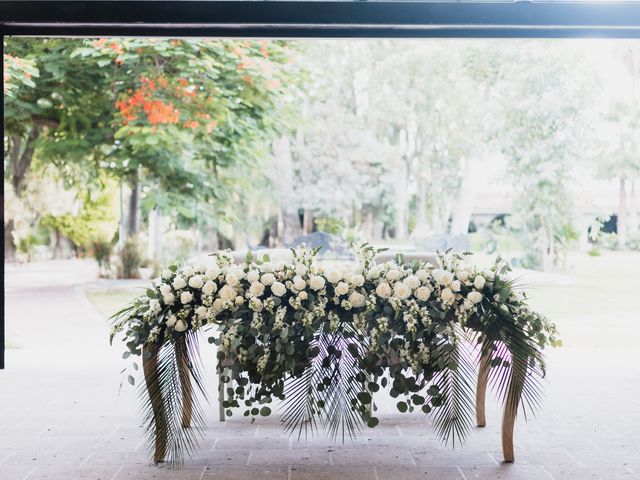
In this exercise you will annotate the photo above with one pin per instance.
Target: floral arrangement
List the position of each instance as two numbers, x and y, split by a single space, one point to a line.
322 338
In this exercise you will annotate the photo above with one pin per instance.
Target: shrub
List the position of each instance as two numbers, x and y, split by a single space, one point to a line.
130 259
102 250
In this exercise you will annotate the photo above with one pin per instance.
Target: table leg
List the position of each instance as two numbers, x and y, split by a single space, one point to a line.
150 368
481 391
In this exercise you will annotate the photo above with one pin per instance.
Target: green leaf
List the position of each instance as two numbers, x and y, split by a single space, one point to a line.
364 397
265 411
402 406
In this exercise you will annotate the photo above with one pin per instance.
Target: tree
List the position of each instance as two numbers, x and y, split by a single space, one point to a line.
53 104
171 118
547 127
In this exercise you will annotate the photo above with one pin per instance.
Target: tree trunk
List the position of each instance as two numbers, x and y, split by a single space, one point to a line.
466 197
421 209
307 222
288 222
20 161
401 207
9 243
622 213
633 209
134 200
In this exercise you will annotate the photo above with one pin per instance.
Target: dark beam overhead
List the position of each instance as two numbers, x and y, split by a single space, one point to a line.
323 19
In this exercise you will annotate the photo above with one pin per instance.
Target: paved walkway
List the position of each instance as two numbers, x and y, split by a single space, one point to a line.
62 418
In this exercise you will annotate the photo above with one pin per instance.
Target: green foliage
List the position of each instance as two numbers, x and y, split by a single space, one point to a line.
102 250
95 220
18 72
633 241
191 117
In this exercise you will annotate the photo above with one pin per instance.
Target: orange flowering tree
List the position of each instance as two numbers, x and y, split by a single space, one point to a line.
177 119
185 110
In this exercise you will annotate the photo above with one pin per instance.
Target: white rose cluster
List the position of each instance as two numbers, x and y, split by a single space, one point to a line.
303 291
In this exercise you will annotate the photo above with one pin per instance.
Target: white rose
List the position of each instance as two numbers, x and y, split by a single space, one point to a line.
299 283
356 299
447 296
423 275
479 282
169 299
179 282
186 297
201 311
232 279
316 282
393 275
167 274
342 288
373 273
213 271
412 281
401 290
165 289
383 290
227 292
201 268
267 279
463 275
267 267
443 277
209 288
180 326
239 300
196 281
278 289
357 280
253 276
303 295
255 304
188 270
301 269
455 285
217 306
256 289
334 276
237 271
423 293
475 297
171 321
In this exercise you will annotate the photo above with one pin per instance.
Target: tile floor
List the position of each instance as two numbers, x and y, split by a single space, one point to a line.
61 416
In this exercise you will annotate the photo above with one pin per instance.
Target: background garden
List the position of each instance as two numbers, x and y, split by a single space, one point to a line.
139 152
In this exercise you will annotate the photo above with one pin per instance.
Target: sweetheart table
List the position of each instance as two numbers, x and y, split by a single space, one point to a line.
321 337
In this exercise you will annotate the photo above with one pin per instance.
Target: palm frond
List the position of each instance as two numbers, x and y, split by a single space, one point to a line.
302 401
341 416
170 386
453 419
516 360
327 389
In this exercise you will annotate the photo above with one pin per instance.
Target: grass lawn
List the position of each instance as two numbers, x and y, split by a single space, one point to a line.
109 302
603 297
